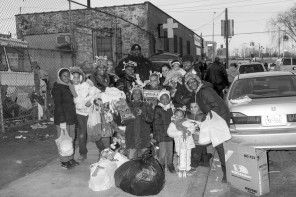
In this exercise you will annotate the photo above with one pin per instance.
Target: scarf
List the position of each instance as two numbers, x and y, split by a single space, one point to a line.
166 107
70 85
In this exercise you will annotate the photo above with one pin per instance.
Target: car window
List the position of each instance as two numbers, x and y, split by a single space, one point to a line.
293 61
251 68
264 87
287 62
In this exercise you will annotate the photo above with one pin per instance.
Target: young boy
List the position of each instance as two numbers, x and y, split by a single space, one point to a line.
162 118
199 155
152 88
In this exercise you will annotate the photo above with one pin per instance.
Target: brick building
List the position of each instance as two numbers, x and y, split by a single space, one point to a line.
77 36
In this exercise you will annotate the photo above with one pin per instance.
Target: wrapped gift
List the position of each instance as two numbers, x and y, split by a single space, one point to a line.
151 94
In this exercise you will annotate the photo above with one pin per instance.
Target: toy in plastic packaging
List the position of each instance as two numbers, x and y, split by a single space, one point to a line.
102 175
124 110
142 176
65 144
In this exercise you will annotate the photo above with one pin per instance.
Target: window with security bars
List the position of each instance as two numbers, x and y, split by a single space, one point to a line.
166 41
104 46
181 46
188 47
175 44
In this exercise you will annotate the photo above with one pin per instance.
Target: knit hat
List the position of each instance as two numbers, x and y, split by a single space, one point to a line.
170 75
175 62
187 58
162 92
136 46
189 76
129 63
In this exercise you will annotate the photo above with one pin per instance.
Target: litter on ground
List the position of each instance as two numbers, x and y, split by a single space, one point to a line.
216 190
23 131
38 126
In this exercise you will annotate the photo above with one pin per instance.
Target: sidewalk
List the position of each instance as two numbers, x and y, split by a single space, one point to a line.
54 181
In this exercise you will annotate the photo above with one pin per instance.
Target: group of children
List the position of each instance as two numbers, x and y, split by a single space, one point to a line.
158 117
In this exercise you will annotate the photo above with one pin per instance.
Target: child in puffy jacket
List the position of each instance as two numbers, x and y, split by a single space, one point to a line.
183 141
83 104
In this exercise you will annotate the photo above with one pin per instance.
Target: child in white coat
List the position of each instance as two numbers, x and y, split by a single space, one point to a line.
83 104
183 142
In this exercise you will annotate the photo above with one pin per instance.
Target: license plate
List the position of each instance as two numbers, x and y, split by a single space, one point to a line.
274 120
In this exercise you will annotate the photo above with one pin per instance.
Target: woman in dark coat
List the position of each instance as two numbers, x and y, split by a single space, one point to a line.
207 99
137 135
63 93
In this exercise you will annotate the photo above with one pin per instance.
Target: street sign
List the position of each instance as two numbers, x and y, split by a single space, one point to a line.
230 28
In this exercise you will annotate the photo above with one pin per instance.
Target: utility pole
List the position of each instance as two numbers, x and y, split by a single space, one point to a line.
213 37
226 34
279 36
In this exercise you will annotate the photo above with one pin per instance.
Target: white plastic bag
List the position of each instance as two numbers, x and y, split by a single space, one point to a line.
94 117
219 131
204 133
65 144
120 159
102 175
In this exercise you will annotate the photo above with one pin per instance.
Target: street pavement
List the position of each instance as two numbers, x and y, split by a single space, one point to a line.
54 181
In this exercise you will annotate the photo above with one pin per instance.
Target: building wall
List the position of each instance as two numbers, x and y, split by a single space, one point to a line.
157 16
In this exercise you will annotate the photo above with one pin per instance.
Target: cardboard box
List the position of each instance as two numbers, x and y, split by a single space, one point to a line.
246 168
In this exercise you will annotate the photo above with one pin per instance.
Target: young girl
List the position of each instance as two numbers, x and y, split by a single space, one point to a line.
162 118
183 142
63 94
176 66
137 134
83 102
199 155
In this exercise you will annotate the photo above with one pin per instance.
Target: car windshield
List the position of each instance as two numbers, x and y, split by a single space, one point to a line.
251 68
264 87
287 62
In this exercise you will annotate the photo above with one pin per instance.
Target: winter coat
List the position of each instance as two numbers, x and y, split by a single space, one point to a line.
216 75
182 96
125 84
161 122
64 104
173 132
100 85
207 99
137 133
143 66
86 93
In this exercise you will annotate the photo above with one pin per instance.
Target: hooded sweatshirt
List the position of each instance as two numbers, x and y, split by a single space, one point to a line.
85 92
63 95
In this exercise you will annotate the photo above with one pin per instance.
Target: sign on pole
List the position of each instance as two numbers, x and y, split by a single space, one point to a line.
230 28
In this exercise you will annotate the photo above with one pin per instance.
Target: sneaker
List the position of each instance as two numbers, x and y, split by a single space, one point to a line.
191 171
66 165
73 162
224 179
82 158
171 168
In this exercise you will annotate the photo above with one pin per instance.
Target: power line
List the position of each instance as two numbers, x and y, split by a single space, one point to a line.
184 3
208 5
231 6
209 21
243 33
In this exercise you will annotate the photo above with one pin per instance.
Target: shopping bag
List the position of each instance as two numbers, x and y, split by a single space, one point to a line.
102 175
105 128
65 144
204 133
94 125
219 131
142 176
124 110
120 159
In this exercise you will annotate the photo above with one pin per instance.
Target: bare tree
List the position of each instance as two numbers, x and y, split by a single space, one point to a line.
285 22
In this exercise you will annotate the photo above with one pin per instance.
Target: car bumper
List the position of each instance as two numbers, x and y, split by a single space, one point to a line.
275 139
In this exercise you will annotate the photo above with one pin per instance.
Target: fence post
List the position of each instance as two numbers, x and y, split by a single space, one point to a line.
1 113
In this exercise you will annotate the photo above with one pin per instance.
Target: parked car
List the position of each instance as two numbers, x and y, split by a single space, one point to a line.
251 67
263 112
158 59
286 64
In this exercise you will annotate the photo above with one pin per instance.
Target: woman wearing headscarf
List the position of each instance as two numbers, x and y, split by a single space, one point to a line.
63 94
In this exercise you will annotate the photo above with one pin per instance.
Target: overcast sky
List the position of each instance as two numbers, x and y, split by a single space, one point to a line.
249 16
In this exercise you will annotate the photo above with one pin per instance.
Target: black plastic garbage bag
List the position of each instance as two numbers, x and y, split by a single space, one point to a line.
142 176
